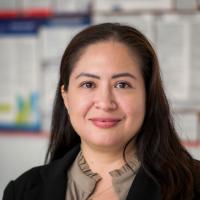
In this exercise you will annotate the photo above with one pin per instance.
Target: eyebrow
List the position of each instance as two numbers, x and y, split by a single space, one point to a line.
88 75
125 74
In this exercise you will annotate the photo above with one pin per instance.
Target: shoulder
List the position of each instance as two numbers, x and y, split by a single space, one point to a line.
23 183
38 177
196 175
30 176
196 170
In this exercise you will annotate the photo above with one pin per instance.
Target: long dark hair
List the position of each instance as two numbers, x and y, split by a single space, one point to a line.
159 150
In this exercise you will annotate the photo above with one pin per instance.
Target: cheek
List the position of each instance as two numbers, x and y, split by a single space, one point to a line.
80 104
134 108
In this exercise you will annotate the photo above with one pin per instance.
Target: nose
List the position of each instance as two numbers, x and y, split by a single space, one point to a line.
105 100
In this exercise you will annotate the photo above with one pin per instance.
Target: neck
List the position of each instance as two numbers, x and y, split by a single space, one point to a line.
103 161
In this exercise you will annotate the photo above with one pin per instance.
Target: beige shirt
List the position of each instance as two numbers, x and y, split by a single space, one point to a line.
82 181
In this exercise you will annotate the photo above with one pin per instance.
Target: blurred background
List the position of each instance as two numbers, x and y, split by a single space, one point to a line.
33 36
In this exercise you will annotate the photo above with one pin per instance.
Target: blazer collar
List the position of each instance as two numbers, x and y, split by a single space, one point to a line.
54 179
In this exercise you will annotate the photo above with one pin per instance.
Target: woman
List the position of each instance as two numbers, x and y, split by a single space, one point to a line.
112 135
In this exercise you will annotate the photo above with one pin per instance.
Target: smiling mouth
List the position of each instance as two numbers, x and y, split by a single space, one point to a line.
105 122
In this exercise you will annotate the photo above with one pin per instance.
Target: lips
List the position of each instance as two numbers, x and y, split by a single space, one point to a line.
105 122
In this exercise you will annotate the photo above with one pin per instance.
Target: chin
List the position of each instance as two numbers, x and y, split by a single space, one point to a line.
107 144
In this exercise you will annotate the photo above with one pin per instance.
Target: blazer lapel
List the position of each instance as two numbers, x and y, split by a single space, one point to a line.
143 188
54 178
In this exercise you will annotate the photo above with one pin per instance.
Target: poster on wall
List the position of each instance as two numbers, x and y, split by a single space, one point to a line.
179 57
19 77
30 53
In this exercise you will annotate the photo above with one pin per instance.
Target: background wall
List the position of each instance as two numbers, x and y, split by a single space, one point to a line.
33 36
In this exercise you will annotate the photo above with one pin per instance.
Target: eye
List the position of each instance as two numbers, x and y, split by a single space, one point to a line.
122 84
87 84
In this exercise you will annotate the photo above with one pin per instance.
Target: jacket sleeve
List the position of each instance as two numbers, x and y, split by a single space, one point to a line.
9 191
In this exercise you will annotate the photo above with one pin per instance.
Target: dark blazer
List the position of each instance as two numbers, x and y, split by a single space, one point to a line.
49 183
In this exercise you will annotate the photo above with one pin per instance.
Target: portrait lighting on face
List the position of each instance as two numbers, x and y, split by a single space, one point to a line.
106 96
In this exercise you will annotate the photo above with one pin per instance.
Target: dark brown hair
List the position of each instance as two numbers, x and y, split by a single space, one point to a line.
161 154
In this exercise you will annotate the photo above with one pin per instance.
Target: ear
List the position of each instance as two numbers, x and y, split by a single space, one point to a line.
64 96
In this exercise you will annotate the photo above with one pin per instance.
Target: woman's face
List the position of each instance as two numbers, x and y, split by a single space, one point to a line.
106 95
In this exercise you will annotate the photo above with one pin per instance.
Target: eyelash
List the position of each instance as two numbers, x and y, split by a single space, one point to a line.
85 83
90 84
124 83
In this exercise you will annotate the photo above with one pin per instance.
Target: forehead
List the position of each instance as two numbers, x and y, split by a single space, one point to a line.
108 55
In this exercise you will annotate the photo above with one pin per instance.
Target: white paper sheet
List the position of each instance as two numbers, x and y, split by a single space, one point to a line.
71 6
144 23
7 79
48 90
32 4
19 81
7 4
194 40
173 52
131 5
186 4
53 41
187 125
